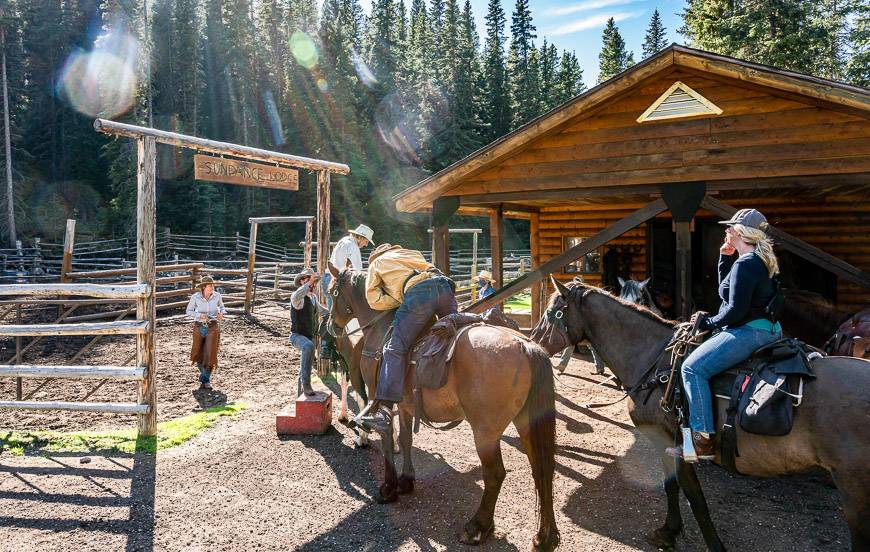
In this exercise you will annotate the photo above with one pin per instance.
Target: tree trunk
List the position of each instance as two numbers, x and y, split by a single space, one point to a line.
10 200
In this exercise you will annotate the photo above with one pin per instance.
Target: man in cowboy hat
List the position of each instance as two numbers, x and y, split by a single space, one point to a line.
347 252
303 323
206 307
401 279
485 283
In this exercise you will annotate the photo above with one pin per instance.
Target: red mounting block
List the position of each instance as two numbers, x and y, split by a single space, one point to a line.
306 416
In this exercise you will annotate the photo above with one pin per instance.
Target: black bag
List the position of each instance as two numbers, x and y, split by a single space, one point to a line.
767 403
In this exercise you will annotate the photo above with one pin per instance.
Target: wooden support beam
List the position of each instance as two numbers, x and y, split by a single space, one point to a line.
115 408
119 291
146 274
798 247
496 230
68 246
683 201
534 229
616 229
252 257
323 231
263 220
131 327
441 248
212 146
309 234
99 372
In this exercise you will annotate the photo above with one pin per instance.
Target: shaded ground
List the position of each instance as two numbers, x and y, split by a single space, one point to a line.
239 487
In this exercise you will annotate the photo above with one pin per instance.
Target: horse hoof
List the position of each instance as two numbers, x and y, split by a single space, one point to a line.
662 538
473 535
386 496
361 444
406 484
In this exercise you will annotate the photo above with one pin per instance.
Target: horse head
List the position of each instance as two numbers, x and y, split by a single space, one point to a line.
341 291
561 326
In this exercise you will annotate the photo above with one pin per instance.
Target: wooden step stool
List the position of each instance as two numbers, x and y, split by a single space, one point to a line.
306 416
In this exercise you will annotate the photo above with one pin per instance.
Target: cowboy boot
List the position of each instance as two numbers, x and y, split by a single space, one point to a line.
700 448
307 389
376 416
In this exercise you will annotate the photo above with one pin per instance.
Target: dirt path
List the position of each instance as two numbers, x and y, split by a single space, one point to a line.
239 487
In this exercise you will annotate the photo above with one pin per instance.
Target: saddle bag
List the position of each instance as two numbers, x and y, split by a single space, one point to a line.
767 404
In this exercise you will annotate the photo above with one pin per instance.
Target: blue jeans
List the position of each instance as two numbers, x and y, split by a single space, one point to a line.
423 301
717 354
306 360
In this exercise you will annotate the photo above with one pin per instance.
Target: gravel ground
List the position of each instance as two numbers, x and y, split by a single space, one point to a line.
238 486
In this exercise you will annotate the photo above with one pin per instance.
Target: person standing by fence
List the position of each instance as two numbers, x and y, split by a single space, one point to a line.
206 307
303 323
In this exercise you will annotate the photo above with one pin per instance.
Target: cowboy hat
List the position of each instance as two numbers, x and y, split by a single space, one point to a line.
364 232
486 275
204 281
306 273
381 249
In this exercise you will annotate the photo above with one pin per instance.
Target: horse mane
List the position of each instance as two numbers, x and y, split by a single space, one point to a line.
640 309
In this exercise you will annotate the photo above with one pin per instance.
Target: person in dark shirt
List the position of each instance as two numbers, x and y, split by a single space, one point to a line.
747 266
303 323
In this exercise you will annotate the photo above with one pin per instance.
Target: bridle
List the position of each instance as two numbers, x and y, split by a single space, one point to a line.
330 325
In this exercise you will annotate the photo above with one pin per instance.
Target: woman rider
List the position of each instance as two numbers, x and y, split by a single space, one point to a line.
747 265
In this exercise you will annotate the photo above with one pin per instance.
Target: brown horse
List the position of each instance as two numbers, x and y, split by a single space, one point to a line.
830 431
496 378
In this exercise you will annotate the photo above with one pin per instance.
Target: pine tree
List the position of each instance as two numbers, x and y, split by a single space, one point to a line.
549 68
382 48
858 67
524 81
569 81
781 33
613 58
656 38
496 108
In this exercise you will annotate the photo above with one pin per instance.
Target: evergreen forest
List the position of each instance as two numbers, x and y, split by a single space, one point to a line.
397 94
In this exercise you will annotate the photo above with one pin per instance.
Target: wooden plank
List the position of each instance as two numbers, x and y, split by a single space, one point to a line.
252 257
799 247
114 408
132 271
617 229
212 146
421 195
263 220
759 169
68 245
309 233
496 232
146 273
131 291
537 291
852 96
133 327
98 372
244 173
323 251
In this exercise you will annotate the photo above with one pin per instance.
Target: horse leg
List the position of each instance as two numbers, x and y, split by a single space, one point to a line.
387 491
480 527
666 535
688 481
406 439
856 505
342 414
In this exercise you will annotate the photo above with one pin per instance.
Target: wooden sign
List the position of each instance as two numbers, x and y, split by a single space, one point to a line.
235 171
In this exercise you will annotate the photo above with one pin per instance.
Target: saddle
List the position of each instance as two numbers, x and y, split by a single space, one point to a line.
761 392
432 354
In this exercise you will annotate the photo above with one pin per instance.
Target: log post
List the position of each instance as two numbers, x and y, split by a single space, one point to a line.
323 212
441 248
496 220
683 201
473 266
534 229
68 245
18 389
146 273
252 256
309 234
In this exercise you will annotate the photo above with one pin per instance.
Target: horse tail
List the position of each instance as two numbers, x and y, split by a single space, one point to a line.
541 409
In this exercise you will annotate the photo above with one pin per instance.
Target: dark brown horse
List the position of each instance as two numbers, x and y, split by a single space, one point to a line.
496 377
831 428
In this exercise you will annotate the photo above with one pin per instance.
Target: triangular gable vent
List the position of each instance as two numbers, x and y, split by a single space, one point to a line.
679 101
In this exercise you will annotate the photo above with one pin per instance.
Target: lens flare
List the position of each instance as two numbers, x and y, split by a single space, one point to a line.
362 70
304 49
274 118
322 85
102 82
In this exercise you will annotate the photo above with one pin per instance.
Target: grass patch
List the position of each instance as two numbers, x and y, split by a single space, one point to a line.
170 434
520 301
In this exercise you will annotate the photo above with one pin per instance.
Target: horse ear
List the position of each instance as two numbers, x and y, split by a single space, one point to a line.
563 290
333 269
645 282
621 281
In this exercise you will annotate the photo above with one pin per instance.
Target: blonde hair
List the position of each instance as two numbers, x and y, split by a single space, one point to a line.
763 246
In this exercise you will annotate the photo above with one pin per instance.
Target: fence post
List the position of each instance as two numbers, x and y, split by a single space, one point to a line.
146 273
68 246
18 390
323 211
252 255
309 232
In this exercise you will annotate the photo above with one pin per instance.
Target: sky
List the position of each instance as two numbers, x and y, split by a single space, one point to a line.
577 24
